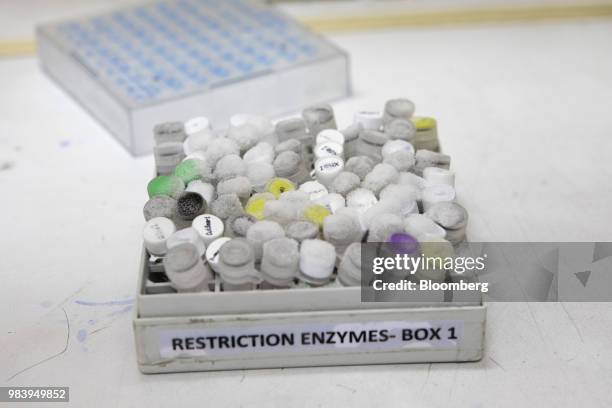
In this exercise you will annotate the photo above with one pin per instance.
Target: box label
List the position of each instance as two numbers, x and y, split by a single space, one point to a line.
311 338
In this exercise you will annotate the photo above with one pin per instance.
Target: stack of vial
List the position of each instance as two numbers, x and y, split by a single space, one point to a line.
262 205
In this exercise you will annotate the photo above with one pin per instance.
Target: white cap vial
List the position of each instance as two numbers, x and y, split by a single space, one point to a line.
340 230
185 268
381 176
393 146
156 233
314 189
197 125
419 225
344 183
349 270
206 190
209 227
302 230
369 119
236 264
328 149
327 169
317 261
361 199
212 252
261 232
330 135
438 193
332 201
436 175
279 264
189 235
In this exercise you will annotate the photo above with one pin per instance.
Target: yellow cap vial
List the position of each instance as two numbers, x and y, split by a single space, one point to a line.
316 213
277 186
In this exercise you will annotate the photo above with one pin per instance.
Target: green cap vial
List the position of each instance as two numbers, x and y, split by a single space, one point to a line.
170 186
190 170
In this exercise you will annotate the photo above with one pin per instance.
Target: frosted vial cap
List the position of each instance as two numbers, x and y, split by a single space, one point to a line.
449 215
279 263
360 165
245 136
206 190
314 189
295 195
220 147
209 227
373 137
319 114
236 252
399 108
292 128
212 252
185 268
262 152
369 119
436 175
385 226
341 228
226 205
156 233
241 186
197 125
262 125
170 186
361 199
349 271
261 232
387 206
230 166
260 174
287 164
330 135
293 145
393 146
301 230
189 205
436 194
404 192
331 201
344 183
351 133
279 185
240 224
187 235
327 168
159 206
381 176
317 261
420 225
401 129
328 149
401 160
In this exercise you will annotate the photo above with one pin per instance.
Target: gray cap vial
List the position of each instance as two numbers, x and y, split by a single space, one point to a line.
349 270
241 186
261 232
370 144
286 164
452 217
360 165
226 205
189 205
185 268
398 108
402 160
169 132
427 158
237 262
385 226
280 260
319 117
292 145
230 166
344 183
302 230
293 128
381 176
401 129
238 225
160 206
167 156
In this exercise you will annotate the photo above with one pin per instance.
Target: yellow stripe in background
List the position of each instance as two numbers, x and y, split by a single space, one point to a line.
408 19
465 16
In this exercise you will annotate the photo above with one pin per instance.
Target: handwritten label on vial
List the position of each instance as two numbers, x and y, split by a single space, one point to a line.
311 338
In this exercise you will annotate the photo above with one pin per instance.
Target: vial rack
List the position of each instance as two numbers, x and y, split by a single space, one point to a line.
224 322
172 60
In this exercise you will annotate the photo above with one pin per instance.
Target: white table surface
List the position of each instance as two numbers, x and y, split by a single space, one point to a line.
525 112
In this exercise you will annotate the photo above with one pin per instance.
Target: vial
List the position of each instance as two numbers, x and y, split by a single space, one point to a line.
326 169
317 262
159 206
290 165
186 270
427 158
401 129
349 270
341 231
330 135
344 183
261 232
332 202
156 233
419 225
316 213
169 132
426 133
302 230
351 135
256 204
226 205
437 194
401 160
328 149
167 156
189 205
262 152
236 265
293 128
218 148
206 190
402 244
393 146
212 252
385 226
245 136
260 174
313 189
279 185
190 170
398 109
370 144
407 178
279 263
434 247
381 176
452 217
209 227
292 145
230 166
436 175
372 120
407 194
198 132
241 186
361 200
189 235
360 165
319 117
170 186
